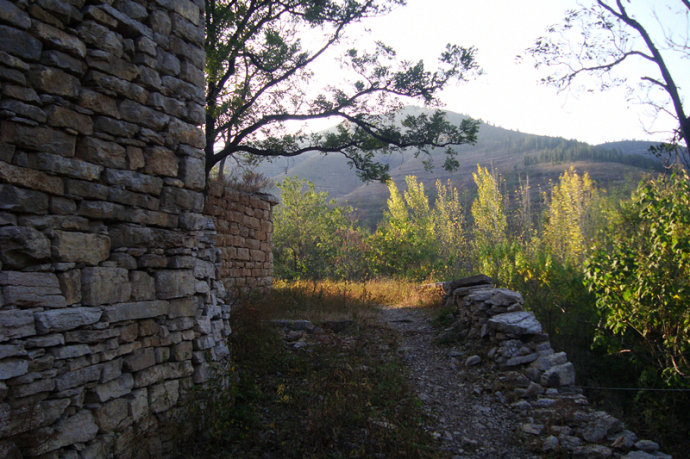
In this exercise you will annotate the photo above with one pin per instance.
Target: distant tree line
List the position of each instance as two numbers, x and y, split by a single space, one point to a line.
568 151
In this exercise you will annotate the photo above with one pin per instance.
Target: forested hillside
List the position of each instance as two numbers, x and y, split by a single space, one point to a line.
515 155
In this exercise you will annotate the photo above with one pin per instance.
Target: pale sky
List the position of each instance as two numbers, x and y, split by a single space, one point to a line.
508 94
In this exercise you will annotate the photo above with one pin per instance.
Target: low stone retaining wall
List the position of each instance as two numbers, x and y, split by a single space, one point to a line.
243 221
533 379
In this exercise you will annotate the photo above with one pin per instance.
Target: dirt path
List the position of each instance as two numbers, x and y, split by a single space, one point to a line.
468 416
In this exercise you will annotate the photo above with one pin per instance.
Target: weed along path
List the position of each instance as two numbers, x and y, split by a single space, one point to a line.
466 416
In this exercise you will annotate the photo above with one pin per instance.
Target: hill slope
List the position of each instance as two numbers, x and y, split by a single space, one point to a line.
513 154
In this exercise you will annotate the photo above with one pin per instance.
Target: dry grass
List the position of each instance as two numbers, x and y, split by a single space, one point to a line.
335 300
344 395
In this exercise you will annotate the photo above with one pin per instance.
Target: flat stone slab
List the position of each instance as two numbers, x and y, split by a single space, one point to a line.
516 323
495 297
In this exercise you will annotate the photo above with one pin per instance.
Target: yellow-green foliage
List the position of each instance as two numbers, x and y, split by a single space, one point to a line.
570 203
487 210
415 239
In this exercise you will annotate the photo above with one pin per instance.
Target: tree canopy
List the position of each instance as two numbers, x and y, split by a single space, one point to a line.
606 35
260 78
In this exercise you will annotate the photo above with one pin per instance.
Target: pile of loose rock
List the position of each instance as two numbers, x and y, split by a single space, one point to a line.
534 380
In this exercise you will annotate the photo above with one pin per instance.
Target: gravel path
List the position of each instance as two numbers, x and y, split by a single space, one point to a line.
466 413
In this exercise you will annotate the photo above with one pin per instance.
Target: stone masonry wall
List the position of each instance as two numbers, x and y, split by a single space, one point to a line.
243 221
530 377
109 304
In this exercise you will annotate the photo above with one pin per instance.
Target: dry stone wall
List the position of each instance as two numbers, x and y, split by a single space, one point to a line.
243 221
109 301
534 380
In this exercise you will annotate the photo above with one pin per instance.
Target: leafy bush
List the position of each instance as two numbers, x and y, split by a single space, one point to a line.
641 276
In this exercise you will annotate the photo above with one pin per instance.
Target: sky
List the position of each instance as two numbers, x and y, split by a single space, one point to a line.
508 94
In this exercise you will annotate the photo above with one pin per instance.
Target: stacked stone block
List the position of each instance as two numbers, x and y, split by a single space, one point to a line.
533 379
243 221
109 304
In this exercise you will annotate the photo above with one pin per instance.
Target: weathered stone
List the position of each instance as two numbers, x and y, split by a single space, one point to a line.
66 319
175 199
134 181
182 351
141 114
31 289
113 415
70 352
99 36
91 336
70 286
65 12
54 81
31 179
21 246
183 307
45 341
473 360
174 283
114 127
648 446
39 138
11 350
11 368
534 429
143 286
559 375
13 15
102 210
98 103
112 65
82 189
157 373
86 248
19 42
136 310
60 39
101 152
24 110
59 116
52 58
37 387
161 161
115 388
592 451
164 396
517 323
600 427
79 428
78 377
104 285
521 360
17 199
139 404
140 359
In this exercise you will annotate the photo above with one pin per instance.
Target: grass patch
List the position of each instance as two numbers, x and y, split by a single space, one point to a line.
343 395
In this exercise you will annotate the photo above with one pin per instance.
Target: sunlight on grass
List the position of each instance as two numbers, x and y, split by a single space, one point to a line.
336 300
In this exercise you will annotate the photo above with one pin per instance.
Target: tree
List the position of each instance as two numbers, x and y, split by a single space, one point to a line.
309 230
641 275
259 78
487 210
566 218
611 35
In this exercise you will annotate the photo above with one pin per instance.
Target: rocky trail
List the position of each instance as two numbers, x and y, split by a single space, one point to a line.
469 420
491 384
